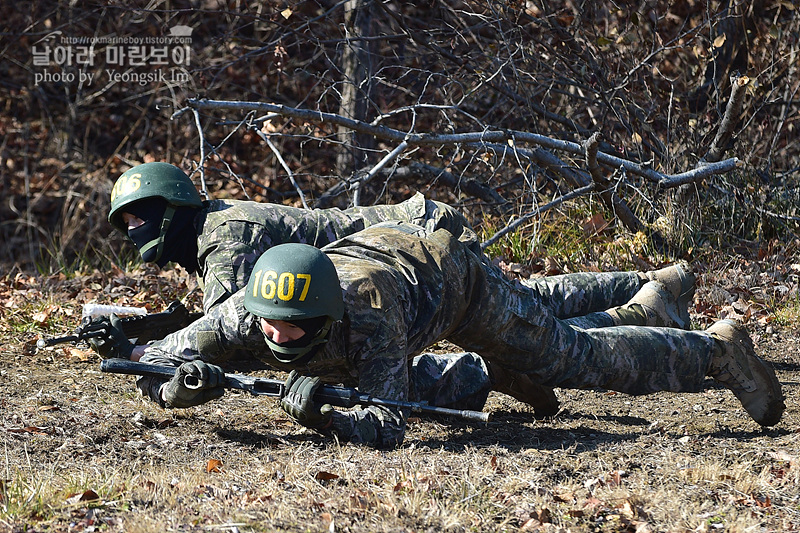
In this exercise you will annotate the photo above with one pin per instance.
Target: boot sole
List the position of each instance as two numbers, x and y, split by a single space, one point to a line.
764 376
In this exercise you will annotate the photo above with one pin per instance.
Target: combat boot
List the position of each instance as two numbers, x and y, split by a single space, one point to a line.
680 281
753 381
653 306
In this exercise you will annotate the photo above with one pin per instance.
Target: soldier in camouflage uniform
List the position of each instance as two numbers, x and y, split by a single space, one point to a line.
404 289
157 206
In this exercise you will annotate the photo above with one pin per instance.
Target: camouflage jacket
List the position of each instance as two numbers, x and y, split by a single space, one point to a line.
232 234
402 294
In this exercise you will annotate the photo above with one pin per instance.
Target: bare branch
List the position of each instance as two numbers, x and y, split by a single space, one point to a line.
201 166
280 159
702 171
374 170
527 216
422 139
733 111
591 146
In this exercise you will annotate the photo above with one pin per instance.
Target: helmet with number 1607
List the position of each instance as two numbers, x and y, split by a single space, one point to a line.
295 282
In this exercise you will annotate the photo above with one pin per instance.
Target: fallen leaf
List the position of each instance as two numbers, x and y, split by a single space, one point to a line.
531 525
80 355
594 224
762 502
214 466
28 429
359 500
325 476
85 496
403 486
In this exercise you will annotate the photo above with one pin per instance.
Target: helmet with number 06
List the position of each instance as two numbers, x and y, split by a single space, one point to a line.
295 282
151 180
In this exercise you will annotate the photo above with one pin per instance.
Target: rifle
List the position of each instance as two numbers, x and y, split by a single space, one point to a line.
143 328
334 395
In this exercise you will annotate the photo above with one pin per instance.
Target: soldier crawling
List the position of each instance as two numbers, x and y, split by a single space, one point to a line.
357 311
157 206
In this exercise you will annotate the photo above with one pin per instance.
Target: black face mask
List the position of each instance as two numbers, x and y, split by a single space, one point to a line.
168 233
302 350
180 242
152 212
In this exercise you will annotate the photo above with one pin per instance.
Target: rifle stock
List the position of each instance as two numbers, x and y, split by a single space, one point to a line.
337 396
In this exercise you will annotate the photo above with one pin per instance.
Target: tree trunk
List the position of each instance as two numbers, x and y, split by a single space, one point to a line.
356 87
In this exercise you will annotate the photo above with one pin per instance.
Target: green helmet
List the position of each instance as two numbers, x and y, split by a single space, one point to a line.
292 282
151 180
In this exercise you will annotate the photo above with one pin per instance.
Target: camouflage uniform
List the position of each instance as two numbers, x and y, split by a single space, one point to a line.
233 234
405 292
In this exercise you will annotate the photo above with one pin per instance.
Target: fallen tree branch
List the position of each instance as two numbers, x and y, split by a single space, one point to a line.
733 111
482 137
576 178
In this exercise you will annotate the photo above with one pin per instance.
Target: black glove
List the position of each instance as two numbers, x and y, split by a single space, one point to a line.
113 343
194 383
297 400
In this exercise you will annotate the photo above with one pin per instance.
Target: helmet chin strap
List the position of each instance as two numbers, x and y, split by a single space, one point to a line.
295 355
169 212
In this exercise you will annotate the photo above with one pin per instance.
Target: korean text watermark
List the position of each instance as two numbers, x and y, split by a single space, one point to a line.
59 58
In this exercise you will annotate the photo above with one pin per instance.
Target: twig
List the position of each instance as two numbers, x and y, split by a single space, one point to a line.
289 172
201 166
590 146
729 120
382 163
515 224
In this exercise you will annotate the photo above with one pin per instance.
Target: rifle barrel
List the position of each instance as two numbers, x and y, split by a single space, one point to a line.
44 343
340 396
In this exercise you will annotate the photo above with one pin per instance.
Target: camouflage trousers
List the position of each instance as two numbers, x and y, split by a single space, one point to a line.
510 326
464 379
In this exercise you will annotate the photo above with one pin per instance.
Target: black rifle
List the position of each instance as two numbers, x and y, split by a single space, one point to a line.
143 328
338 396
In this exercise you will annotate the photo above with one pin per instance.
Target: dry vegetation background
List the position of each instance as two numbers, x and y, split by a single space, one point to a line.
82 453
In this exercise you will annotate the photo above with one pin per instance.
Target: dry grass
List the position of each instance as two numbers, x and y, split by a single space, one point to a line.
82 452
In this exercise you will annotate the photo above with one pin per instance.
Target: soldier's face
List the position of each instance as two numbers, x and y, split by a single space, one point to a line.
279 331
132 221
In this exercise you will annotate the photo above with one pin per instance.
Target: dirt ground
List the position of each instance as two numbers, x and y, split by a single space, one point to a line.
83 452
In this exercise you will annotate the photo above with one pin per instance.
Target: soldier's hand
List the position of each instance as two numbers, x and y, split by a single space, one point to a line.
194 383
298 402
113 343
